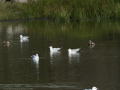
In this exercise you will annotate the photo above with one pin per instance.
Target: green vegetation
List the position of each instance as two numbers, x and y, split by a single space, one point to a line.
48 29
62 9
9 11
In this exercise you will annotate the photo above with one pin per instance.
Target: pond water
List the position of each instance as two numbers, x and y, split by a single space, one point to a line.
92 66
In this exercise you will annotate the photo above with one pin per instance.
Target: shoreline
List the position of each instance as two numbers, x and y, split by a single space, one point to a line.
24 19
85 19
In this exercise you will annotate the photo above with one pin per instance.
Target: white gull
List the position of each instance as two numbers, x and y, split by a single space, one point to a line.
73 50
93 88
54 49
23 37
35 56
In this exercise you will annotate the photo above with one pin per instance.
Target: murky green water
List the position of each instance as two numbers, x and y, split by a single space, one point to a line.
93 66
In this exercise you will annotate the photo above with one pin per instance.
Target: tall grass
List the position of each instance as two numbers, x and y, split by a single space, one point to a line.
75 9
9 11
70 9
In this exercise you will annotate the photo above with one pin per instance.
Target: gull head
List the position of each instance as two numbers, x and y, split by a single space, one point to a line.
50 48
94 88
69 50
20 36
36 54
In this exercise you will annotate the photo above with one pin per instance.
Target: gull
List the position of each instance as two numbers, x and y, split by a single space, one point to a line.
73 50
35 56
93 88
54 49
23 37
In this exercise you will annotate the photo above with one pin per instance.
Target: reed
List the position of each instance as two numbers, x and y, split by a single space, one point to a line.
9 11
65 10
75 9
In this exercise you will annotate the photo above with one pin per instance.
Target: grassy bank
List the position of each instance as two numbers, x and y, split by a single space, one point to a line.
9 11
62 10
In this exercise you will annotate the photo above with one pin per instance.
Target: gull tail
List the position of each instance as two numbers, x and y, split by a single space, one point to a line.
80 48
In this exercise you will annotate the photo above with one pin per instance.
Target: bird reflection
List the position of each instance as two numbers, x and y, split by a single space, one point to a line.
73 57
6 45
54 55
35 62
91 46
24 40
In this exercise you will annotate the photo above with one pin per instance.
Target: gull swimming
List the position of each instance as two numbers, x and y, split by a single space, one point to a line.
73 50
93 88
24 37
35 56
54 49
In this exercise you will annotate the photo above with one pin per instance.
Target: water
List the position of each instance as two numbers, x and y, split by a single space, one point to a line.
92 66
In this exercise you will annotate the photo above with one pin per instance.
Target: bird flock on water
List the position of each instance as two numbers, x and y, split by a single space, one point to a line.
36 57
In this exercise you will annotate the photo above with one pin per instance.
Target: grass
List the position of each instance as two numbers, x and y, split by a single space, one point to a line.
8 11
63 10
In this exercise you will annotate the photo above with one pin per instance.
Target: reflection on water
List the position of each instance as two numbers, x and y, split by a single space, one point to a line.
6 45
36 62
74 57
32 86
24 40
91 46
60 70
54 54
54 57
